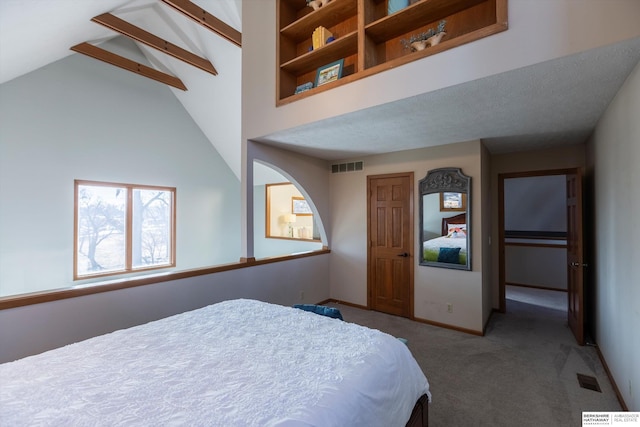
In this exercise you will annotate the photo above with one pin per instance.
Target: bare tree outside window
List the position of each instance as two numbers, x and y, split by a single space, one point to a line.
121 228
151 220
101 228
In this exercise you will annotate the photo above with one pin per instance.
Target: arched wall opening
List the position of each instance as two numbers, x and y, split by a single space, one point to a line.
264 164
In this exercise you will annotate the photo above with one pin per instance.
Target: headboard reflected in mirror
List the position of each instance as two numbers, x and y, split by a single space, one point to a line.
444 231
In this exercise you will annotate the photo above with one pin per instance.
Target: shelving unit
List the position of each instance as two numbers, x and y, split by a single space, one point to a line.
344 46
368 39
386 27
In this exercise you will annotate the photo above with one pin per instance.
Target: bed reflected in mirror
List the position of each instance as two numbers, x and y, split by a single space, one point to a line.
445 219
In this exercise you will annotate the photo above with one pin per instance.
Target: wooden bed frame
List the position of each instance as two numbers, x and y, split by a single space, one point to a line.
420 414
457 219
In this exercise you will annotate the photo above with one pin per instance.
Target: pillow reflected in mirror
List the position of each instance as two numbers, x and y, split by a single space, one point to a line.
449 255
457 231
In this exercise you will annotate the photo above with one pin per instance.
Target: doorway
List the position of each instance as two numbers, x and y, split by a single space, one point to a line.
390 252
540 241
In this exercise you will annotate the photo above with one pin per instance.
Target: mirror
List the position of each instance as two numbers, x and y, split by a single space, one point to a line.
445 232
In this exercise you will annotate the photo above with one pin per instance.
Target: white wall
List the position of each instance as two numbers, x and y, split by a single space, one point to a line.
535 203
538 31
616 155
37 328
434 287
79 118
543 267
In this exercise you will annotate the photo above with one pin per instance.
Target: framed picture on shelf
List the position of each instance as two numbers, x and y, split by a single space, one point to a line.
329 73
453 201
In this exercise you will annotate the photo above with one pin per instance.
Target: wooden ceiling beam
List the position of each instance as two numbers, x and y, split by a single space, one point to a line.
127 64
151 40
206 19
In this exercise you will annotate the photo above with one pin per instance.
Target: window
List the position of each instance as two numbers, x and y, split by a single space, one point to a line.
288 215
122 228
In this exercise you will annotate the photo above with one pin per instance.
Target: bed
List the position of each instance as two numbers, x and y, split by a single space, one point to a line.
451 246
238 362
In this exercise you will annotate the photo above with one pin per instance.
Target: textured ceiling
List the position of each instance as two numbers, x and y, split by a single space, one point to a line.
547 104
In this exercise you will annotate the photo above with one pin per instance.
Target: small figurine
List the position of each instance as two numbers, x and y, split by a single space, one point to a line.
317 4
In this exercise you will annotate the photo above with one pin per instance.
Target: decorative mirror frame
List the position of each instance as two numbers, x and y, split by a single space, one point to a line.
446 180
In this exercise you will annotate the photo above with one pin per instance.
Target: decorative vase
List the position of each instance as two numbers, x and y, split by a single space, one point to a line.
419 45
434 40
431 41
315 4
395 5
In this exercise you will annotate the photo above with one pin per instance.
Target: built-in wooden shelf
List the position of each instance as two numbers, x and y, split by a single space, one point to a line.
414 16
307 20
342 47
368 39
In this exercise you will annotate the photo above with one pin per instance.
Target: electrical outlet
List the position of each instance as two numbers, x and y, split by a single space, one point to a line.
301 295
449 308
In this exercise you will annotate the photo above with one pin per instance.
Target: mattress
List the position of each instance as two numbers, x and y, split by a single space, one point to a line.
235 363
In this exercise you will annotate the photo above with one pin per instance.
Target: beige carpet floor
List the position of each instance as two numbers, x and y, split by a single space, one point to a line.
523 372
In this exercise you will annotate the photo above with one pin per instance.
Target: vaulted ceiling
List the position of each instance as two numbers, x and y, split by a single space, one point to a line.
34 33
543 105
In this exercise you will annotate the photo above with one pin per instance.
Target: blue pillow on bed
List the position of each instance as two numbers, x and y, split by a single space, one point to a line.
450 255
320 309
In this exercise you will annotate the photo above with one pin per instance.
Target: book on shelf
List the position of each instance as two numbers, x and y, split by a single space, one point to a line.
320 36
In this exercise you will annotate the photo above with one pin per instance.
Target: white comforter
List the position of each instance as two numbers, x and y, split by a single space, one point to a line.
446 242
236 363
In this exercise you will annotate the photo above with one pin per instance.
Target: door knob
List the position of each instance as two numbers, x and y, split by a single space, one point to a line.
404 254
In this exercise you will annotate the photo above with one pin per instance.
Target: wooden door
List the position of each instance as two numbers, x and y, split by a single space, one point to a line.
575 268
390 237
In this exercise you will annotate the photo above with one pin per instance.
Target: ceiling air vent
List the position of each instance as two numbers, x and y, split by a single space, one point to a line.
347 167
